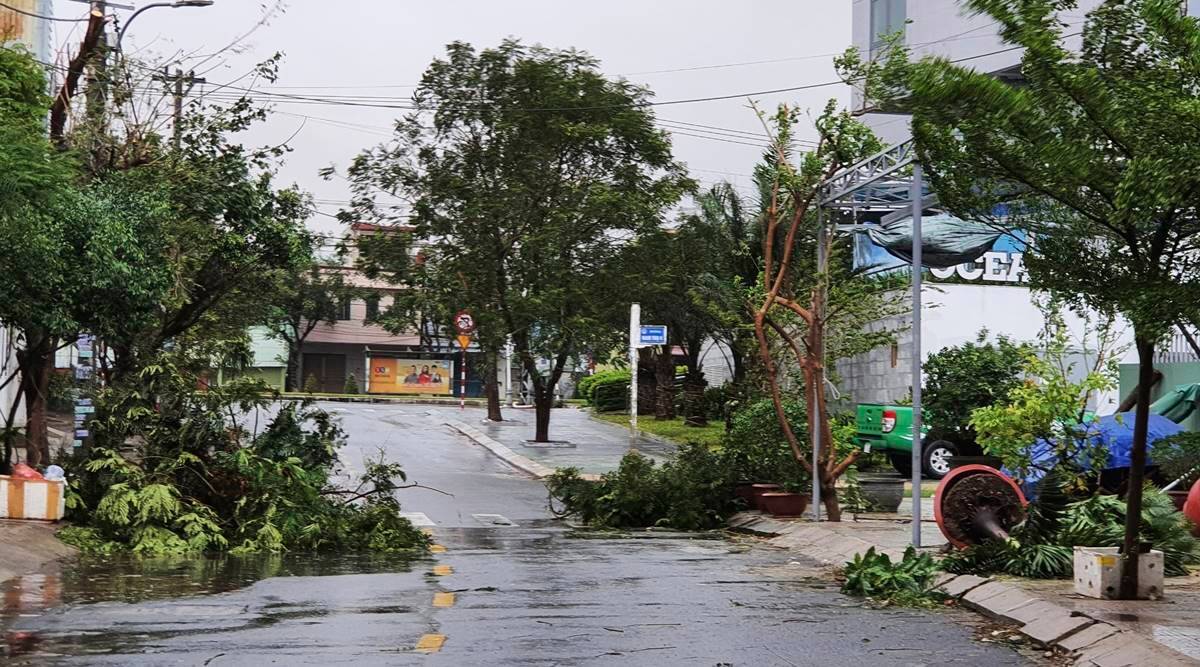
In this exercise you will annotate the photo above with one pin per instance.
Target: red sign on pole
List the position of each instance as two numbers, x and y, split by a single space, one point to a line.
464 324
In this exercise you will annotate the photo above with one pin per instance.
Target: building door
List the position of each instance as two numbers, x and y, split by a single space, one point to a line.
329 371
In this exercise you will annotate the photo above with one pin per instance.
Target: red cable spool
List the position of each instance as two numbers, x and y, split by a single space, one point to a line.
977 502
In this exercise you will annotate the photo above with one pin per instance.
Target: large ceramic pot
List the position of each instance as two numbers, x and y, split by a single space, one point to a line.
782 503
759 490
884 492
1191 508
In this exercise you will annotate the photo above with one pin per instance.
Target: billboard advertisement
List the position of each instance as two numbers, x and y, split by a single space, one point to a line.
950 247
399 375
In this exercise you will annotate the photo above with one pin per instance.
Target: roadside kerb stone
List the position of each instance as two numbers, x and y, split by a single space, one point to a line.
1126 650
1049 631
1087 636
508 455
961 585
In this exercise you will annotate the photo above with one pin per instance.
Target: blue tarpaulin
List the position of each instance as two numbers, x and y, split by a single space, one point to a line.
1115 432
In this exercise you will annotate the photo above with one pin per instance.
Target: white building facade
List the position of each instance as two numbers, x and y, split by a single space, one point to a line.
990 293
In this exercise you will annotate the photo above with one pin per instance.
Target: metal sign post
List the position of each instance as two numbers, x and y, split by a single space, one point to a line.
917 445
465 325
635 323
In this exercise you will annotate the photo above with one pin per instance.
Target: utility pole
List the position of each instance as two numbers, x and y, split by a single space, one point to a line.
179 92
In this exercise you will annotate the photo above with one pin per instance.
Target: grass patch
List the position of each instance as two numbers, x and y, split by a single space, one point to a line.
675 430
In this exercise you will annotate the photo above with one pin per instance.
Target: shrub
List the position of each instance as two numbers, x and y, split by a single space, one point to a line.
692 492
907 582
173 472
607 391
1178 457
757 451
965 377
1042 546
351 386
311 386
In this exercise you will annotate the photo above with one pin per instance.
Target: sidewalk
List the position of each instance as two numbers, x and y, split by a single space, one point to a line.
592 446
1096 633
29 546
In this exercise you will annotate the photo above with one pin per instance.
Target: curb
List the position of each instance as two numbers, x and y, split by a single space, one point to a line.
472 402
1090 641
641 434
519 461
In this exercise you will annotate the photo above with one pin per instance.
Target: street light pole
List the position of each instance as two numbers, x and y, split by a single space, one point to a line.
917 195
174 5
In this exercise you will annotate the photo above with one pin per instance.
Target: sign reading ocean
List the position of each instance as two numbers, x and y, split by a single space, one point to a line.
950 247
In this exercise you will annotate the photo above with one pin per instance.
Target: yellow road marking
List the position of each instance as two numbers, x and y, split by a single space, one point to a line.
430 643
442 570
443 599
437 549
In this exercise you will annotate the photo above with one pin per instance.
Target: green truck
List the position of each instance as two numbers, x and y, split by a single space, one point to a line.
888 429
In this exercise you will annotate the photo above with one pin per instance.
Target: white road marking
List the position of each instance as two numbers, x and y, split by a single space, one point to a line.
418 518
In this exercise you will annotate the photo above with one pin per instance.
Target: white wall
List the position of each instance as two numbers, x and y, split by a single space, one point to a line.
943 28
8 365
952 315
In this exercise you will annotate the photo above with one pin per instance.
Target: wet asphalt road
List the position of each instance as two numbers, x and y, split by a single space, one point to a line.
528 593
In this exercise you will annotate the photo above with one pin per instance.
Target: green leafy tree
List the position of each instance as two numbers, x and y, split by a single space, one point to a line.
528 171
1094 154
814 311
962 378
724 215
306 297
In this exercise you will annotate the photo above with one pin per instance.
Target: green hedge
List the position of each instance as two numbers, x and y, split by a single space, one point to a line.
607 391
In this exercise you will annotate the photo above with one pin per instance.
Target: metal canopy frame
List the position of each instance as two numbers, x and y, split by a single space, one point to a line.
890 182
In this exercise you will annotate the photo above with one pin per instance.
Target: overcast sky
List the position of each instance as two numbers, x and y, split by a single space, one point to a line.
379 48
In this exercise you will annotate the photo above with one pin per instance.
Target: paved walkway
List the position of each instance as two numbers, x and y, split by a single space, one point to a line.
577 440
1097 633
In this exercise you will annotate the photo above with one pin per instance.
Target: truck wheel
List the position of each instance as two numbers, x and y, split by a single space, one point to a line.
902 463
935 458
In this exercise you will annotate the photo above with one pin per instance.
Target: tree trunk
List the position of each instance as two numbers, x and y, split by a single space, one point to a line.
664 379
1137 468
739 364
36 369
291 381
543 401
829 498
491 386
693 398
647 383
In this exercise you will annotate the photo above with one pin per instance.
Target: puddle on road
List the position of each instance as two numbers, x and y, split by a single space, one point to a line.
40 613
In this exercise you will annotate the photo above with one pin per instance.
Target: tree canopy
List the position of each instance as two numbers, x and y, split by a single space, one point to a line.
525 172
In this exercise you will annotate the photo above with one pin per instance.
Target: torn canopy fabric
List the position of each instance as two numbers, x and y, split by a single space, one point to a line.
946 241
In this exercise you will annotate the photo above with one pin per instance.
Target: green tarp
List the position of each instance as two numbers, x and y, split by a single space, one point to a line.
1178 405
946 241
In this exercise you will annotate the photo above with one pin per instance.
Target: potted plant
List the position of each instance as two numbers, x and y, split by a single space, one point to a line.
785 503
882 490
1178 461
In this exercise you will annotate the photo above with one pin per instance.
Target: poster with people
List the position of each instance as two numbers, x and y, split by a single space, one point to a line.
410 376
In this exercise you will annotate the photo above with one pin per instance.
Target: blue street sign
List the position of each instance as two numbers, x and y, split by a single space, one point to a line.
652 334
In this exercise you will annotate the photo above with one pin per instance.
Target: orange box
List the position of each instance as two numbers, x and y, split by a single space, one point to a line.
32 499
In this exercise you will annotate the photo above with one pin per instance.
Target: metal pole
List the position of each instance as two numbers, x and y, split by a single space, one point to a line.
635 321
508 392
814 419
462 380
917 196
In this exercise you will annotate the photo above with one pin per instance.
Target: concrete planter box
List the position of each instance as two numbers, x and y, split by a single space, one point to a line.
1098 573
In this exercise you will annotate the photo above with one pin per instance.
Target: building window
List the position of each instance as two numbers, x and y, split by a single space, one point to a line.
344 310
372 306
887 18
